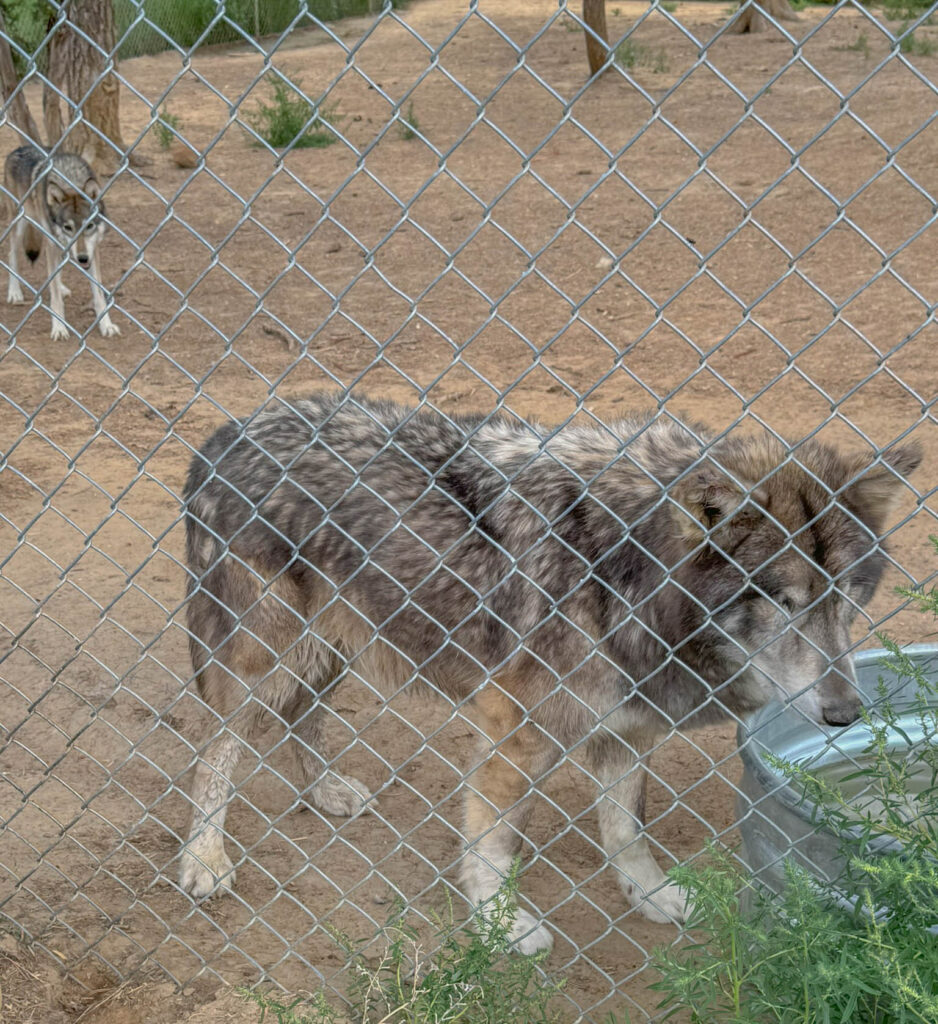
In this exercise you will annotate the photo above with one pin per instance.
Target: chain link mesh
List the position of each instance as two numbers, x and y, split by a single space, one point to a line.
741 228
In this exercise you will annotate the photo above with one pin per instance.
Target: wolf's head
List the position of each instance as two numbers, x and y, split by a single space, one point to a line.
782 554
73 203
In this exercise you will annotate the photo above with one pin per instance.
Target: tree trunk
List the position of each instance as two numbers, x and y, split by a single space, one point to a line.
78 73
17 113
597 41
752 17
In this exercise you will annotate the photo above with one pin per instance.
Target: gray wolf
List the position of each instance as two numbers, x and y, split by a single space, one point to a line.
590 587
59 202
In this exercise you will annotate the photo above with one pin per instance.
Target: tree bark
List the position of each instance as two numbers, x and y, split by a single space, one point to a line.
17 112
597 40
79 52
753 19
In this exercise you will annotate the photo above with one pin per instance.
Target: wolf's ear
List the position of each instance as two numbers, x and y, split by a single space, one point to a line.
55 193
92 189
874 488
705 497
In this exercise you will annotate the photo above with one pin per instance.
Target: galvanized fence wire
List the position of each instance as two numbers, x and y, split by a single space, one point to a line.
88 908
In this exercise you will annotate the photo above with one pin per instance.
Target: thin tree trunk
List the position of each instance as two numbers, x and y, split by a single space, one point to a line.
17 112
597 41
77 72
753 19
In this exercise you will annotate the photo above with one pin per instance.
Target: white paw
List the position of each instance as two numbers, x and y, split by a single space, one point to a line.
340 795
65 290
667 905
210 872
59 331
107 328
528 937
15 294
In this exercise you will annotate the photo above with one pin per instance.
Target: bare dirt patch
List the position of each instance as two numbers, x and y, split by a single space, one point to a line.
774 249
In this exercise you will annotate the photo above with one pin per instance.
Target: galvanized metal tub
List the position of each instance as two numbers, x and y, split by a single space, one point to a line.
775 821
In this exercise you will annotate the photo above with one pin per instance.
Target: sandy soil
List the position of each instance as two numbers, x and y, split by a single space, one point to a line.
775 260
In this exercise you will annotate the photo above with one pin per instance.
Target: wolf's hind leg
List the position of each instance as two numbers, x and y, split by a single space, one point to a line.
618 770
310 716
204 865
55 264
498 805
238 626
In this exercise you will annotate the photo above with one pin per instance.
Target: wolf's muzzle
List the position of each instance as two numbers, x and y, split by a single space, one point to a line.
842 711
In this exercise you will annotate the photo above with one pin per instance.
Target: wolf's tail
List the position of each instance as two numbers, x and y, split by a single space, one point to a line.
32 242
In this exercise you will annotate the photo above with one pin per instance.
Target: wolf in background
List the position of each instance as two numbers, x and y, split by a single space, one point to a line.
588 586
60 204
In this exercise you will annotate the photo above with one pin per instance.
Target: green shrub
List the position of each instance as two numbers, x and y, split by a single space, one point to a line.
187 22
26 22
916 46
292 120
858 950
630 54
461 974
165 128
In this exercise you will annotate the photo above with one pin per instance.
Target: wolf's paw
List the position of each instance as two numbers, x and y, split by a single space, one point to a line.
107 328
15 294
340 795
667 905
65 290
529 937
59 331
209 873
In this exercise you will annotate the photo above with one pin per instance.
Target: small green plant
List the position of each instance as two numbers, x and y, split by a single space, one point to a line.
409 127
915 45
860 45
905 10
461 974
666 5
165 128
630 54
861 950
300 1010
291 120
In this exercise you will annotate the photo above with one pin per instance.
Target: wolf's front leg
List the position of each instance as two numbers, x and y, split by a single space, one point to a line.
498 804
14 288
55 261
204 866
106 326
622 780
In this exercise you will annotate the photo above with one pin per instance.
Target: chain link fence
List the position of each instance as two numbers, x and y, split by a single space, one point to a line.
736 228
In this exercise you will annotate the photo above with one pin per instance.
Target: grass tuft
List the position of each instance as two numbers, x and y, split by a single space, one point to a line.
860 45
461 974
916 45
291 120
409 126
630 54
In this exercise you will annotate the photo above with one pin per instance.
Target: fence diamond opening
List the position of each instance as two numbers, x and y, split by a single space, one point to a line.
738 229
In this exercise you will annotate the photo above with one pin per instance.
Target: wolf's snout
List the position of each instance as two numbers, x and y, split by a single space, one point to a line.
83 258
842 712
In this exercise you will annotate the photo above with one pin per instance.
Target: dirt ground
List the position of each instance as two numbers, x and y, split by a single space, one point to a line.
775 259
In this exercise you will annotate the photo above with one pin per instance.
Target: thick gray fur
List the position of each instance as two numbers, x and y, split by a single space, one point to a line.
595 586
